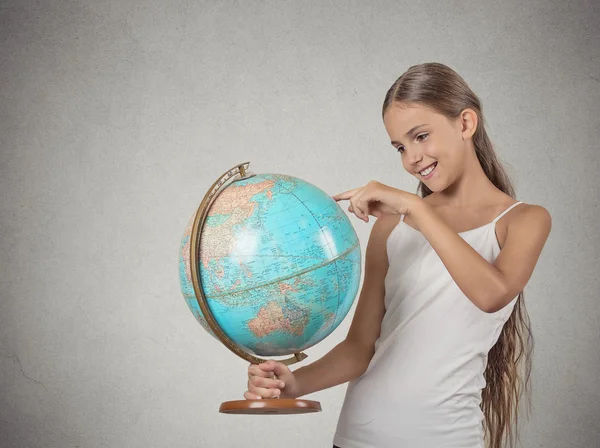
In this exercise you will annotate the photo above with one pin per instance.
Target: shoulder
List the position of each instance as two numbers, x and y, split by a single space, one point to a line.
528 222
530 216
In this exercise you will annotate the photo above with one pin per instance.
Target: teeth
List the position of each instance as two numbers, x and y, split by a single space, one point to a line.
427 171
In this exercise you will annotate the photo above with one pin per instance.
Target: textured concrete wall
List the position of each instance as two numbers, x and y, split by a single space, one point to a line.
116 116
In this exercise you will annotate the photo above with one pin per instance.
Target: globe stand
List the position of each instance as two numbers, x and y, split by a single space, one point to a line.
260 407
278 406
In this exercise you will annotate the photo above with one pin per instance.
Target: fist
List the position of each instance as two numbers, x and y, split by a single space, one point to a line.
270 379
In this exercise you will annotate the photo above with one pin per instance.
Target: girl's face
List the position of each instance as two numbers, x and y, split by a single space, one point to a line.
433 148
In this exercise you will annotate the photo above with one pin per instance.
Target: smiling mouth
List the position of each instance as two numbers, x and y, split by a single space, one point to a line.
429 170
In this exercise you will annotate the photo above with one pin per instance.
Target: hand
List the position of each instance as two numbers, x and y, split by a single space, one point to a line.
263 384
377 199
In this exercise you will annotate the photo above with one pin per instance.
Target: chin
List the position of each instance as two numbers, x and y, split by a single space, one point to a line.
435 187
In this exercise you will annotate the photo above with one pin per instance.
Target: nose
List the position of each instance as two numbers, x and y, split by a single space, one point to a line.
414 156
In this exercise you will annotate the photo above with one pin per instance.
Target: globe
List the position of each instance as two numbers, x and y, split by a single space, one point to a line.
278 264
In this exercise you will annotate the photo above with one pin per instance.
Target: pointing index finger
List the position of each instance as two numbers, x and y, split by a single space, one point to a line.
345 195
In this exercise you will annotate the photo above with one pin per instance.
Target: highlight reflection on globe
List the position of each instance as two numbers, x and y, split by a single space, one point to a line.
279 264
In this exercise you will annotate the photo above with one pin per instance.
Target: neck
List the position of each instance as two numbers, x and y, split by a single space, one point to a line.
471 188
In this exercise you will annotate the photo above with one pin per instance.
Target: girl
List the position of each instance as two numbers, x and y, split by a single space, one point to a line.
439 349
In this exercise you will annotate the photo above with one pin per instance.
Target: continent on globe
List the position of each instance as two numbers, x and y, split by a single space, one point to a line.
272 318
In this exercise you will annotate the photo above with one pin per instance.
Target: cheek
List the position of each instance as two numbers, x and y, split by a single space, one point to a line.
433 150
445 154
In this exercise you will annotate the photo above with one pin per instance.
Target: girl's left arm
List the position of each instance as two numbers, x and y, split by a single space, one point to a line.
490 286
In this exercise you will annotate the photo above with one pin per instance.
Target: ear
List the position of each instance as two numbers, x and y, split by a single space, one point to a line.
468 123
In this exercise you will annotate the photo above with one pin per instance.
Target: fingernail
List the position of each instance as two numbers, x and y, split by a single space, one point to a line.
282 384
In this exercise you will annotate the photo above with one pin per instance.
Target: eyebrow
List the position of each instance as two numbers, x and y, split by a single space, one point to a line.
409 133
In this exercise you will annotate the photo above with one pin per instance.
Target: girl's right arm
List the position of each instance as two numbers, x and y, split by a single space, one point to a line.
350 358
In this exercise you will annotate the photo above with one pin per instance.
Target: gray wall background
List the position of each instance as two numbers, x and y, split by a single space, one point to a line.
115 117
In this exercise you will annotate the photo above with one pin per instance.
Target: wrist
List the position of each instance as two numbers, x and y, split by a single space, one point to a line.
420 211
415 206
293 389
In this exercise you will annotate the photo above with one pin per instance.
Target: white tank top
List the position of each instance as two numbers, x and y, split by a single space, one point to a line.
422 388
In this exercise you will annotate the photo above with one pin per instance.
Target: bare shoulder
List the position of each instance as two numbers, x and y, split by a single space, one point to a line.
528 222
530 216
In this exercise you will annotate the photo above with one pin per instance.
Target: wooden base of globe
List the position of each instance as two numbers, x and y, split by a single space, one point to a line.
270 406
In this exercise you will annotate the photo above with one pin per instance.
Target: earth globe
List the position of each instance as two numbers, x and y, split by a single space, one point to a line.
269 265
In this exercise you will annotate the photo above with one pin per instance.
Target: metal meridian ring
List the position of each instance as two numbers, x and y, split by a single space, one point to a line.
199 221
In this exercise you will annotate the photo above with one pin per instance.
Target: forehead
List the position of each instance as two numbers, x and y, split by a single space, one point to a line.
402 117
399 119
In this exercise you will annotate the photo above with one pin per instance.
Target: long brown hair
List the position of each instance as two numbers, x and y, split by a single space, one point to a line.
508 372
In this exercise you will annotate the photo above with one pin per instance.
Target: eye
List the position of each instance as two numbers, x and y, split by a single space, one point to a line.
420 138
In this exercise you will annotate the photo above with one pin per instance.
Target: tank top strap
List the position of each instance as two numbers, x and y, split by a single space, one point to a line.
505 212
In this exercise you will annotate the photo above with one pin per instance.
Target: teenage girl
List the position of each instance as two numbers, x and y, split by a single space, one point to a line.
439 350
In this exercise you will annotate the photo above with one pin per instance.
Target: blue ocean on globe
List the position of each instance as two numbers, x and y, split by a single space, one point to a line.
279 264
